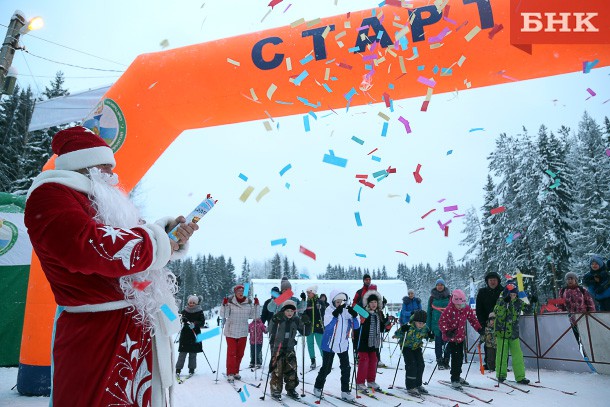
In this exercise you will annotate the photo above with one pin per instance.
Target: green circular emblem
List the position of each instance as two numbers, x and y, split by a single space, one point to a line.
8 236
108 122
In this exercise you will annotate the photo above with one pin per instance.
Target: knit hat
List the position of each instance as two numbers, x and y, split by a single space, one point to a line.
492 274
193 298
572 275
411 291
237 287
78 148
275 289
289 304
419 316
511 287
597 259
440 281
285 284
372 286
313 289
458 297
365 276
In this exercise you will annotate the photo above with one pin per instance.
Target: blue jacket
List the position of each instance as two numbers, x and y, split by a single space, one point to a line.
409 306
336 329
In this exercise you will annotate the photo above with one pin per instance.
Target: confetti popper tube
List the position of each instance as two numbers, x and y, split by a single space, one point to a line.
197 213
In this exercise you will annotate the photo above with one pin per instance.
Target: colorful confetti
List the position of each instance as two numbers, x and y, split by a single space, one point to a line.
286 168
334 160
281 241
307 252
499 209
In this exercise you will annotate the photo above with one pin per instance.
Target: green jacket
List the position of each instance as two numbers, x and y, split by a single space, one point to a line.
507 318
413 338
437 302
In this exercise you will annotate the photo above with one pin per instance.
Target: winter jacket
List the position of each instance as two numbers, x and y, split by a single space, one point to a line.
577 301
256 329
599 290
507 318
365 327
313 310
358 296
411 337
266 315
236 317
436 305
453 319
409 306
336 329
283 335
188 336
486 301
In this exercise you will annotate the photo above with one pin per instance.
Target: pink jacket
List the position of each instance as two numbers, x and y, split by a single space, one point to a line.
256 329
454 319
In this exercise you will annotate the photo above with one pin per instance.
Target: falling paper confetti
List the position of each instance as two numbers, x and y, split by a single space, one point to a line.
499 209
141 285
246 194
281 241
261 194
400 251
307 253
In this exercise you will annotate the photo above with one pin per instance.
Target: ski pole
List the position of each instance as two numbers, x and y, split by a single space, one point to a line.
499 368
471 359
264 362
303 363
537 341
272 367
435 366
357 367
404 341
222 329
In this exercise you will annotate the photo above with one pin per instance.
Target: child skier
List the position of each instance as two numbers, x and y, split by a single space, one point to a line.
369 341
490 342
192 322
338 321
452 325
413 335
507 312
256 329
283 367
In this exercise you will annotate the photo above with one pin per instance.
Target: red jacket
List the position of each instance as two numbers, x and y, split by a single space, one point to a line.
454 319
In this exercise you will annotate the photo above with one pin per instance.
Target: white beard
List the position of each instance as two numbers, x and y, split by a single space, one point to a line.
114 208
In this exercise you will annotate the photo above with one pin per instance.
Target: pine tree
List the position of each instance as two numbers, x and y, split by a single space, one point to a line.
57 87
276 267
245 271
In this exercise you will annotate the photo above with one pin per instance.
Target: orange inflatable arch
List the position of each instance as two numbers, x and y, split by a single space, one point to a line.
310 65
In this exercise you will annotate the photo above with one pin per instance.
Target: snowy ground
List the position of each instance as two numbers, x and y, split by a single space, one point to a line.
592 389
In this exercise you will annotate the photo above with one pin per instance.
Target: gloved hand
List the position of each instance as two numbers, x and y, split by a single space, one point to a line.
352 311
225 301
303 296
191 325
405 328
507 299
481 331
430 336
450 334
256 302
338 311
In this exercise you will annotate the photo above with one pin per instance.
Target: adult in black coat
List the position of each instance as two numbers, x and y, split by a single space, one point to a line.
192 322
487 297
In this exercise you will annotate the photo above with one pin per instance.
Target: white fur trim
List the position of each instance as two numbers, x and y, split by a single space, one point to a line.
161 248
88 157
71 179
183 250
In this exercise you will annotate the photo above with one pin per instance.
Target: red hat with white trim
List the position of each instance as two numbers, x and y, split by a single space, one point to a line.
78 148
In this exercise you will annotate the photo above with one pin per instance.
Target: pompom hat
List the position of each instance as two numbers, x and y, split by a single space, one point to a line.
458 297
78 148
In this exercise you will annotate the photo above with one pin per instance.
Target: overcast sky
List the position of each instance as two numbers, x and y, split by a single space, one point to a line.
318 210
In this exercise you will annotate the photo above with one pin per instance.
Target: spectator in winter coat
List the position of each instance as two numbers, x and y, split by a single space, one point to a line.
507 312
357 300
324 302
439 299
410 304
283 365
314 311
192 322
597 281
236 311
452 325
256 329
338 321
487 297
106 266
370 341
412 337
577 300
266 315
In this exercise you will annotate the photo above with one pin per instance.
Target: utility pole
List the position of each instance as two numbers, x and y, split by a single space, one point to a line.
7 52
18 26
